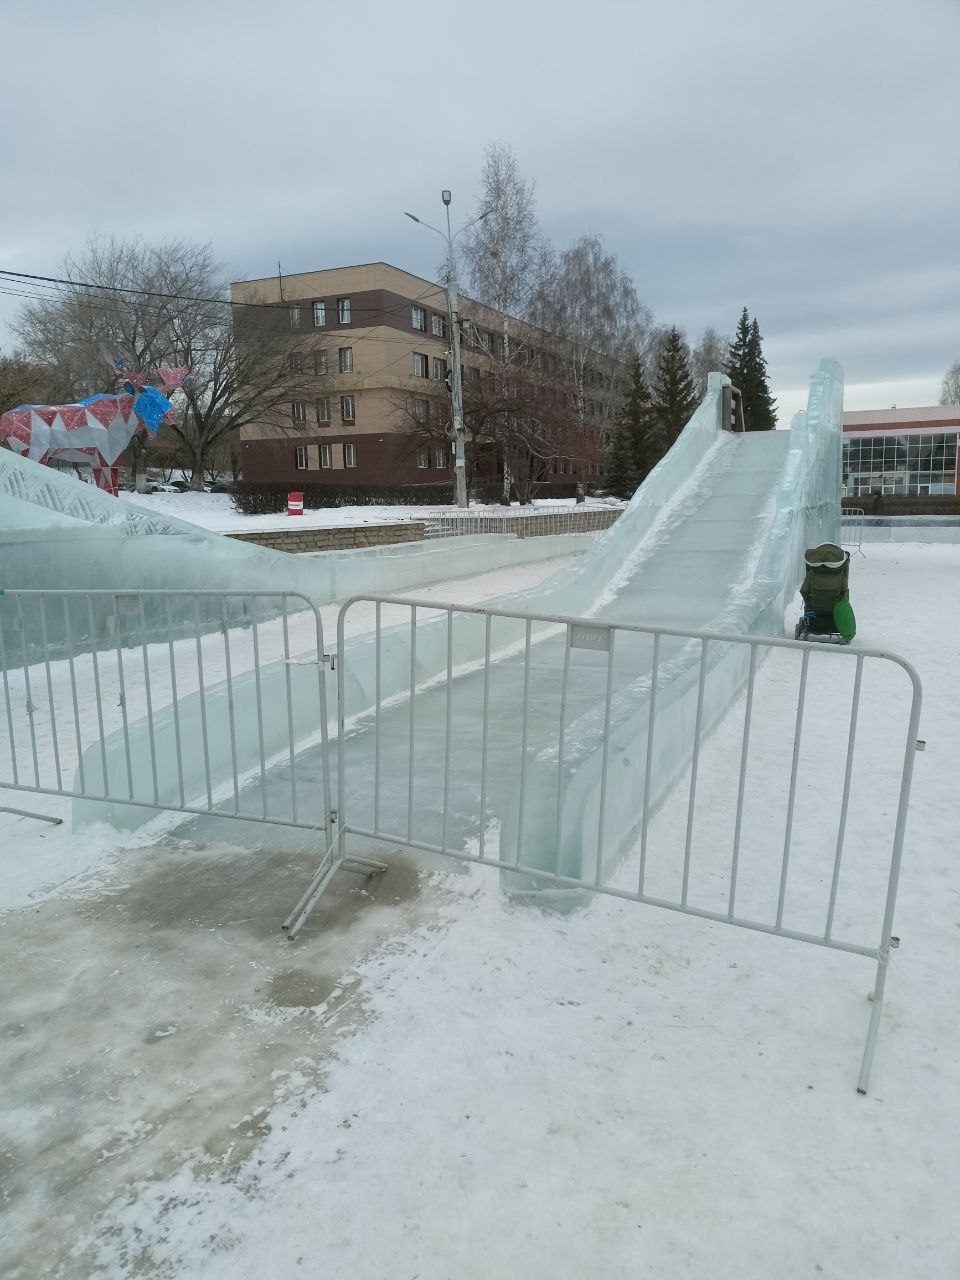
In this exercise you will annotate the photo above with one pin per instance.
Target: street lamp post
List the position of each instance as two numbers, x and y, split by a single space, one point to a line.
456 377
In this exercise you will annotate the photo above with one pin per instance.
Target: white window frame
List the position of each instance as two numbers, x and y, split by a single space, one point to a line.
440 459
326 457
294 317
418 404
298 411
295 361
344 401
320 365
438 325
421 365
349 454
300 457
439 368
343 310
423 459
319 315
418 314
345 359
323 407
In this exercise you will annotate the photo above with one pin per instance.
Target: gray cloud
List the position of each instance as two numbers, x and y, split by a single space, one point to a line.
799 159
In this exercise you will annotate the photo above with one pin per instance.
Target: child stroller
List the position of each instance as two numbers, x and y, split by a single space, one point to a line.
827 615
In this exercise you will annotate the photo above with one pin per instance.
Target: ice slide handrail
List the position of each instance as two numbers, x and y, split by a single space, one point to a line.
598 637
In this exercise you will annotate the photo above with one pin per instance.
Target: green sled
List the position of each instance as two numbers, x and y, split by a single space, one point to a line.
844 620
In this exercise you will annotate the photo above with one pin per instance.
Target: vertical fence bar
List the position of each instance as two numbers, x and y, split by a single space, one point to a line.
742 784
231 712
258 687
791 801
289 689
42 602
488 621
96 686
324 727
146 685
31 709
648 763
562 730
523 737
68 637
845 801
123 694
6 699
447 743
378 698
413 698
203 704
694 767
175 702
607 705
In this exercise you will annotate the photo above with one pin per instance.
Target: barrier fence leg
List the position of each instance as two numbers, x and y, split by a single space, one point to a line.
875 1012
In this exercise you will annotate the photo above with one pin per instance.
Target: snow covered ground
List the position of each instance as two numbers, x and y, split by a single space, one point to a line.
438 1083
216 511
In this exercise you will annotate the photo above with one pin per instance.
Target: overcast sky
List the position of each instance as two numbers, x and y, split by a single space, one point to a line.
799 157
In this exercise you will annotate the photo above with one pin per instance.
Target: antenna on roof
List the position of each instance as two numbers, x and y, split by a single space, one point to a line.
280 280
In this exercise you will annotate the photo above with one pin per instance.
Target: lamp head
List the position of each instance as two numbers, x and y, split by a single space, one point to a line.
445 196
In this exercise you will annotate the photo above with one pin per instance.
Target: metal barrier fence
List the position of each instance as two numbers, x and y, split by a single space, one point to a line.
851 526
196 702
535 522
544 746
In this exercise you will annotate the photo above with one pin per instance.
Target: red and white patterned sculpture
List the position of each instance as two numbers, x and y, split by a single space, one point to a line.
94 431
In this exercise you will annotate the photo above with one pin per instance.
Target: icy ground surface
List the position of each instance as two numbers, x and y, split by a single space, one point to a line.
436 1083
216 511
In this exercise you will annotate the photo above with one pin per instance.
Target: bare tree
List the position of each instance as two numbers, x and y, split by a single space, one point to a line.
159 304
590 303
950 388
21 382
507 260
710 354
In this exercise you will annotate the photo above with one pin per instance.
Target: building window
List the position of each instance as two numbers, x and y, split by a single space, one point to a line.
343 310
420 369
440 459
298 411
418 318
326 456
347 409
346 359
300 457
439 325
294 317
349 455
319 364
421 410
439 368
296 361
319 314
423 459
323 410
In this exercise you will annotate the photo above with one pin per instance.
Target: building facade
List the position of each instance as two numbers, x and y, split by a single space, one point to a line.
901 451
377 341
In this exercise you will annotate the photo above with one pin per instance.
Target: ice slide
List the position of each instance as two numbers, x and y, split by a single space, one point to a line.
712 540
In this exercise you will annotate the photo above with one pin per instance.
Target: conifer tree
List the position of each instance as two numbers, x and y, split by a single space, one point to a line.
637 442
763 414
675 396
747 370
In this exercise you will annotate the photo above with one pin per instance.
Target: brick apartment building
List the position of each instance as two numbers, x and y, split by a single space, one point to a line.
377 341
908 452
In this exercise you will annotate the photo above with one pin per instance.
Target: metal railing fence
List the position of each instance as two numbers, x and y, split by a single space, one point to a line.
530 522
199 702
544 746
851 529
